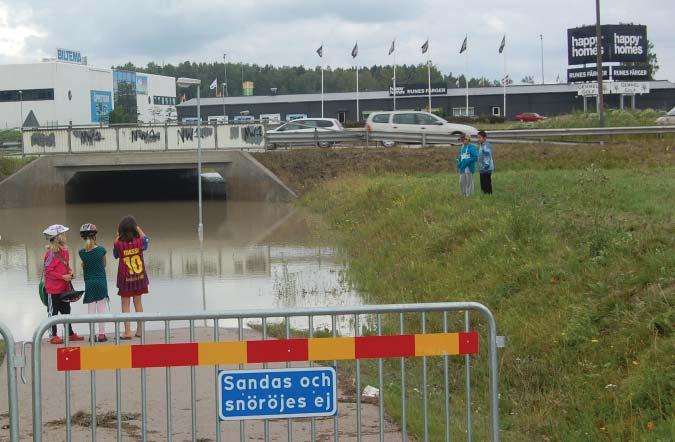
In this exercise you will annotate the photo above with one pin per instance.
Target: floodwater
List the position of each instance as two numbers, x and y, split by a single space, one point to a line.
256 255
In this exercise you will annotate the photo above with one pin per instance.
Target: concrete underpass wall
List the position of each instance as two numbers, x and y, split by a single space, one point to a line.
43 181
39 183
248 180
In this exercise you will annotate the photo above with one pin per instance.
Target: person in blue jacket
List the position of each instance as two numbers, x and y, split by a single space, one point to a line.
466 165
486 164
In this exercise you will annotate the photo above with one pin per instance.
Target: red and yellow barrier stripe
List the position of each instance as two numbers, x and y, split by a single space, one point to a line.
253 352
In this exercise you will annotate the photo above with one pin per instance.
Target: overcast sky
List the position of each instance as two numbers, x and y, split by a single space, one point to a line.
289 32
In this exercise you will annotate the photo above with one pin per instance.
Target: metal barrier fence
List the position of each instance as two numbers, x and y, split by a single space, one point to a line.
217 136
334 345
14 362
314 138
329 138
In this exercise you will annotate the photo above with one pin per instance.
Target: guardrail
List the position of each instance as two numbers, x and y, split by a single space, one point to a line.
324 139
412 138
316 138
598 131
142 138
147 138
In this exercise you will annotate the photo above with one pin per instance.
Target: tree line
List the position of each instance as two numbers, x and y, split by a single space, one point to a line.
302 80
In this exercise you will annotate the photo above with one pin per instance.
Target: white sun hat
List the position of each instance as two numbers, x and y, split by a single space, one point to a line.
55 230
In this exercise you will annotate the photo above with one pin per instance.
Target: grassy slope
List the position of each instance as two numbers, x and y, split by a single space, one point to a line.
577 265
304 169
9 165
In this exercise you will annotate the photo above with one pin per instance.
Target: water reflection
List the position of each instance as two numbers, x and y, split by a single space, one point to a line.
255 255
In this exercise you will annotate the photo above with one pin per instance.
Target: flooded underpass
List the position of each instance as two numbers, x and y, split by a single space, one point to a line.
142 185
256 255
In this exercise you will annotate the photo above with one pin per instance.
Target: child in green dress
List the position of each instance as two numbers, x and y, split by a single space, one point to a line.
95 282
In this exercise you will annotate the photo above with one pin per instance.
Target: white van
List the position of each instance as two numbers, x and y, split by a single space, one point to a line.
414 122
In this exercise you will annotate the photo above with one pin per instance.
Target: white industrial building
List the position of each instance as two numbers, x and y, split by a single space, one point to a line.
158 104
58 93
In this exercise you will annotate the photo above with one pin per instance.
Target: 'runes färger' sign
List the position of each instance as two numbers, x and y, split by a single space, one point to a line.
277 393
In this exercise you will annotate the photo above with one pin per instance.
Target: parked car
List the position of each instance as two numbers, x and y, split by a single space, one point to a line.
308 125
529 117
668 118
414 122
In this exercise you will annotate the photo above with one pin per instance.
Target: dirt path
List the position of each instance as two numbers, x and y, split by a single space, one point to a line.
53 408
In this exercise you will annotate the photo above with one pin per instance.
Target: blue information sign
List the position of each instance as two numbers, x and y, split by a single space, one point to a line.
277 393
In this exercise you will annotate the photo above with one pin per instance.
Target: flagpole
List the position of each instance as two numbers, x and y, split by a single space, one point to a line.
394 74
321 89
505 81
429 74
466 76
358 115
321 79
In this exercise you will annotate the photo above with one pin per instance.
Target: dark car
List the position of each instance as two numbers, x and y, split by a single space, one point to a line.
530 116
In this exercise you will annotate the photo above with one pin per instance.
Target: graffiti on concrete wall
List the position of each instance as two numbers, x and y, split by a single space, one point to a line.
253 135
234 133
186 134
42 139
88 136
146 136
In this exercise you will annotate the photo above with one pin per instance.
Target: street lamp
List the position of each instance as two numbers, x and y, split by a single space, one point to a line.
598 60
541 37
224 87
185 83
21 110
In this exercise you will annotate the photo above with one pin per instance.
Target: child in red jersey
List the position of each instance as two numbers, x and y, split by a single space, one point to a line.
132 279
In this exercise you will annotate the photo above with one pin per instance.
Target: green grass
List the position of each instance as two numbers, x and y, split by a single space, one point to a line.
9 165
578 267
613 118
10 135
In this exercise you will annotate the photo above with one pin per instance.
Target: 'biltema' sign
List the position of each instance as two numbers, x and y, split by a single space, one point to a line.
620 43
419 89
277 393
69 56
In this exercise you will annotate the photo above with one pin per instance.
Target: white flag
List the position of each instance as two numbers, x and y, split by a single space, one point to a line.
214 84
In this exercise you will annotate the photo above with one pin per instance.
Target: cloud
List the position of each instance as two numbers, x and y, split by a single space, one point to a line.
13 33
288 33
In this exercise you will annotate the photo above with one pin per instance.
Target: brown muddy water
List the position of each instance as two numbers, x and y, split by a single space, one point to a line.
256 255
